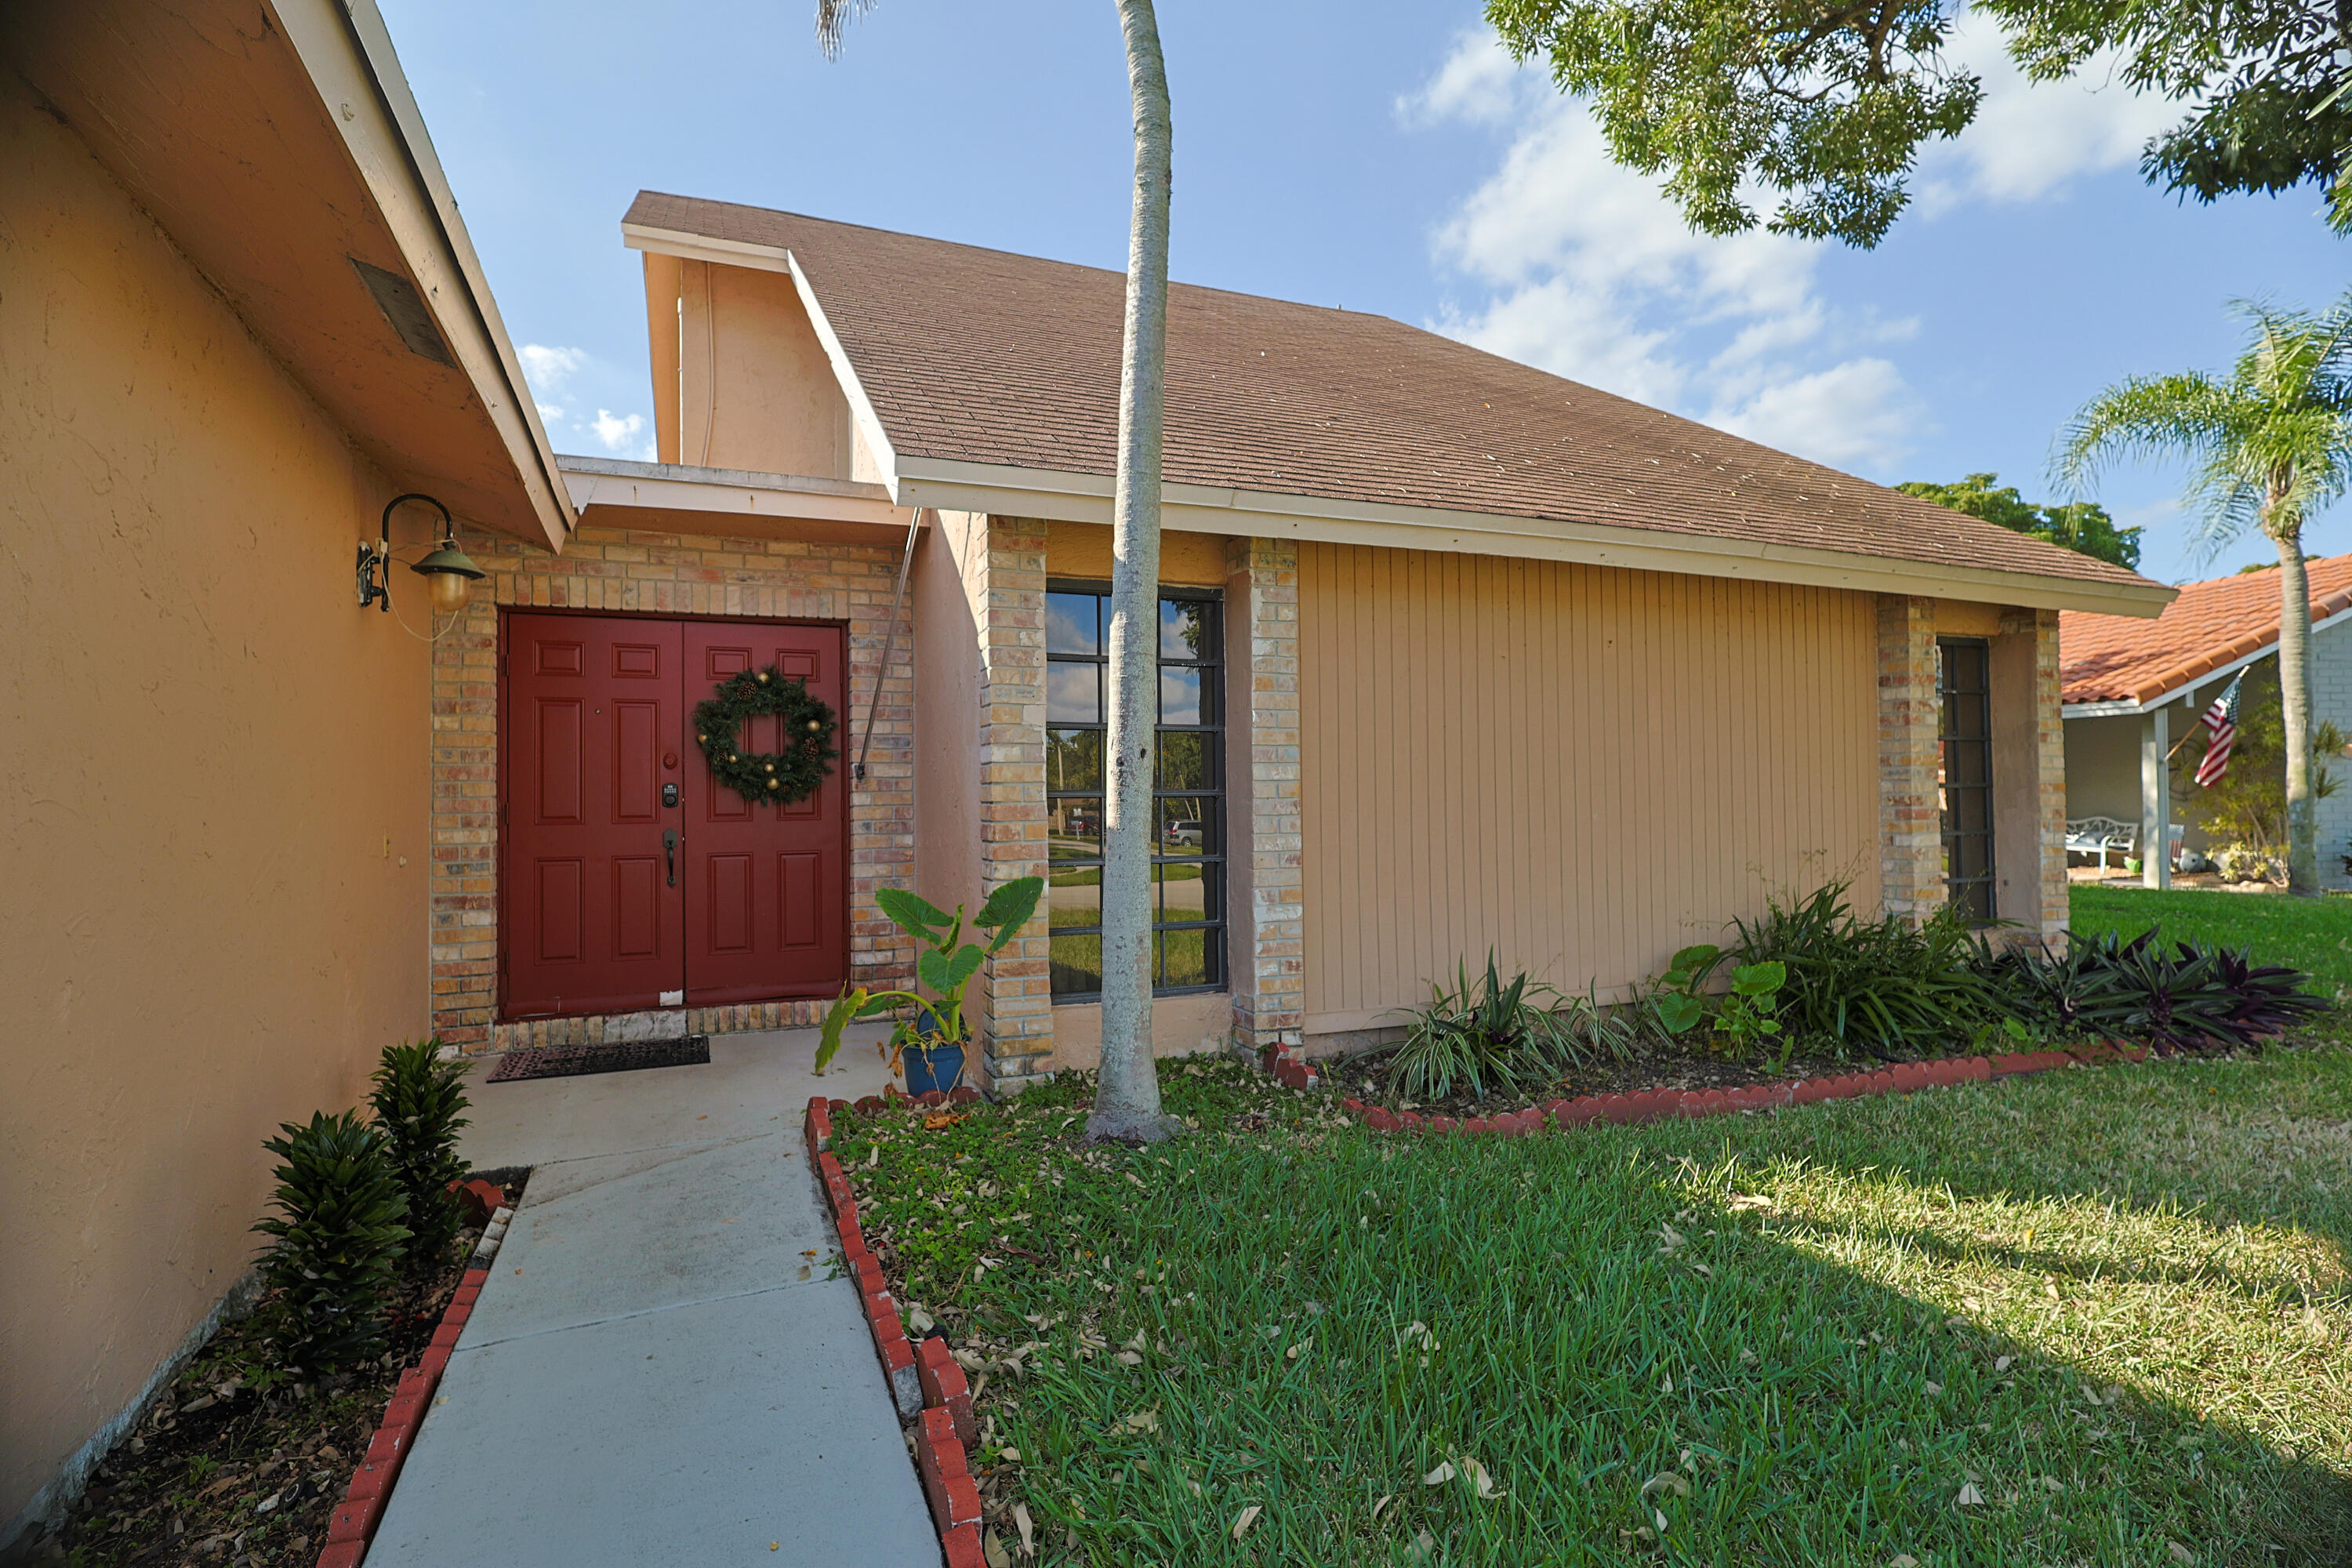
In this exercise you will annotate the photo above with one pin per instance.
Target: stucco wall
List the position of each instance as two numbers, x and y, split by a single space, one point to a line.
2331 702
949 565
213 803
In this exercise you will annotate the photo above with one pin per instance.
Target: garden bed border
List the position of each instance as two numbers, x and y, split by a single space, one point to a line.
927 1385
351 1528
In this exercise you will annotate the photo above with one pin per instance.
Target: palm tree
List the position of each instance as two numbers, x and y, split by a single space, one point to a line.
1127 1099
2272 444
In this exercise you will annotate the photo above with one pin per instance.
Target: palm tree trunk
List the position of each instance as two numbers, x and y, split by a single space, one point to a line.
1127 1099
2294 705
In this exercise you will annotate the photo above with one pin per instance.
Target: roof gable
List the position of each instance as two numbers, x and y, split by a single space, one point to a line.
974 356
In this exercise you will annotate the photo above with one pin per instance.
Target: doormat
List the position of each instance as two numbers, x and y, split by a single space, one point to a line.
618 1055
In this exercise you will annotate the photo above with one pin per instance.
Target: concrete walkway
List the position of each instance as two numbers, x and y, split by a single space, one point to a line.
658 1369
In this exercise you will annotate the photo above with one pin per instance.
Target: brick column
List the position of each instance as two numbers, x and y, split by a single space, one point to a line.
1910 820
1014 1005
2050 727
1266 934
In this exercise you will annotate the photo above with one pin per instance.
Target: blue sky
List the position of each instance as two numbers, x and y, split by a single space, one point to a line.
1380 156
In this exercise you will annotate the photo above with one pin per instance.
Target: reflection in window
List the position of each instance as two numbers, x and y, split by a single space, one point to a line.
1188 816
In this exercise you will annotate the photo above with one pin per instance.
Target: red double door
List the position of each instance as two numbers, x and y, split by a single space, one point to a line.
630 877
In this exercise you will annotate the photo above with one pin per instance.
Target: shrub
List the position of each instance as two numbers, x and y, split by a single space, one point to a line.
2176 997
1875 984
1487 1035
419 1102
340 1237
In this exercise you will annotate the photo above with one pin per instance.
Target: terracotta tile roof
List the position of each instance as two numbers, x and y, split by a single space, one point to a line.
987 357
2121 658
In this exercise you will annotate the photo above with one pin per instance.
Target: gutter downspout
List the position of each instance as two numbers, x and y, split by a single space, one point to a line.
889 647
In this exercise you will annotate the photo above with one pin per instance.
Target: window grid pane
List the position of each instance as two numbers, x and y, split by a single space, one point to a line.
1964 690
1188 819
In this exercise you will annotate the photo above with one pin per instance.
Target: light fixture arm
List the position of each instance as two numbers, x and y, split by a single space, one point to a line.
373 568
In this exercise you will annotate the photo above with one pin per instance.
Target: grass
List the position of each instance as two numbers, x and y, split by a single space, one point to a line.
2311 933
2112 1305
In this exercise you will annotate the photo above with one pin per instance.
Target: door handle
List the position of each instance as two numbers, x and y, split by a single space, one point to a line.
669 850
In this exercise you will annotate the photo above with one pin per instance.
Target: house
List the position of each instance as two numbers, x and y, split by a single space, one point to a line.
238 314
2133 688
1455 654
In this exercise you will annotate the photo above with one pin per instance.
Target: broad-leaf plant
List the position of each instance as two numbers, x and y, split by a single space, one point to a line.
941 964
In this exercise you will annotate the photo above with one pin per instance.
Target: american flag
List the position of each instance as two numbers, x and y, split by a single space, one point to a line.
2221 727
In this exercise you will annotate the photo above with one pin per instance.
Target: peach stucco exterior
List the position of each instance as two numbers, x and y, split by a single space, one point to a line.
214 801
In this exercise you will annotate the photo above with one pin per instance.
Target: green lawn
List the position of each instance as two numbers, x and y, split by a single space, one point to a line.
2310 933
2095 1316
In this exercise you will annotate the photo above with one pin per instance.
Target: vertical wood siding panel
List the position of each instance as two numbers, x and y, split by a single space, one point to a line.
1582 767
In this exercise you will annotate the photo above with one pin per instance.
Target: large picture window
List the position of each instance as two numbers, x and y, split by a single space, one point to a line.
1188 842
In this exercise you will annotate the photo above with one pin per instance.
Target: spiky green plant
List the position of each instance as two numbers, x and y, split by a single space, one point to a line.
419 1101
340 1235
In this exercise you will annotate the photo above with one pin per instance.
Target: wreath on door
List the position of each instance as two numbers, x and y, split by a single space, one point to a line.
803 723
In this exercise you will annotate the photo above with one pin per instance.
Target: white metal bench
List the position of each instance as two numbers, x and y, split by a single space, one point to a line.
2099 835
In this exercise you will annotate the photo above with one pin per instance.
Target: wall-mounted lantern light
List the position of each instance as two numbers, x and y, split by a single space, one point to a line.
446 570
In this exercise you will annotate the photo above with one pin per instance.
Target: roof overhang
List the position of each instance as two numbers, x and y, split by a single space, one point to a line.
916 482
278 144
678 497
2188 686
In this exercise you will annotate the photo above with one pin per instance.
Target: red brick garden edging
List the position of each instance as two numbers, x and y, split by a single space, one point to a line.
1656 1105
926 1384
352 1526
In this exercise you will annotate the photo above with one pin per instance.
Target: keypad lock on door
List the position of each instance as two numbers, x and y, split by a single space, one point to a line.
669 794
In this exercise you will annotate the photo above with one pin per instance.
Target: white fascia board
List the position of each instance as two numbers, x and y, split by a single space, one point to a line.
1086 498
347 50
2112 710
777 259
606 482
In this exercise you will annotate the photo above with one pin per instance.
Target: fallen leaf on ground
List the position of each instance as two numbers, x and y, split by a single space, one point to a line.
1481 1480
1666 1481
940 1120
1903 1560
1144 1421
1386 1499
2179 1554
1294 1352
2002 1364
1440 1476
1969 1496
1749 1201
1934 1389
1248 1517
1027 1527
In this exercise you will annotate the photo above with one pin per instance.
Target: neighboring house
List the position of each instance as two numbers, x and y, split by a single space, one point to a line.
238 314
1456 655
2133 689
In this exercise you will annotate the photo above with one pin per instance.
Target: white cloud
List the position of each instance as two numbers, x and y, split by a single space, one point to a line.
1858 414
549 368
622 434
1581 266
2030 138
550 412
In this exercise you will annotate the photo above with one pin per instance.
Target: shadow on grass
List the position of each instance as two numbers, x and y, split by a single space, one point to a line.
1648 1369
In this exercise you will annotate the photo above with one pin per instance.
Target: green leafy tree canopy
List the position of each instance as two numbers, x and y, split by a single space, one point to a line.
2079 526
1823 104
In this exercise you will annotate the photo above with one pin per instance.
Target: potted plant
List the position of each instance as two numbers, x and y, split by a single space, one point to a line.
931 1044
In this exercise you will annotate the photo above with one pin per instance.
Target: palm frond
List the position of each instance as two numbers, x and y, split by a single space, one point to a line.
2180 416
832 17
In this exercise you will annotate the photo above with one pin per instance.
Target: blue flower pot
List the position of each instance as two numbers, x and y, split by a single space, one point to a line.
940 1067
943 1069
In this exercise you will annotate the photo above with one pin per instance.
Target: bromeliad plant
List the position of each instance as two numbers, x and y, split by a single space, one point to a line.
420 1101
341 1230
937 1020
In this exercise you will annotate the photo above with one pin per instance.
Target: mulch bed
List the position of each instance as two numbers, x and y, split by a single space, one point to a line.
1654 1068
619 1056
236 1466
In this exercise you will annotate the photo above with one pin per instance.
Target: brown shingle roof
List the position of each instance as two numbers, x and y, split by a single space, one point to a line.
984 356
2121 658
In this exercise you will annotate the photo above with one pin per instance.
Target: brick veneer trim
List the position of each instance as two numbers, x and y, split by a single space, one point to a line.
629 572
